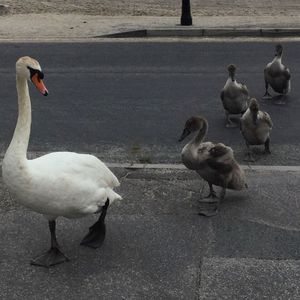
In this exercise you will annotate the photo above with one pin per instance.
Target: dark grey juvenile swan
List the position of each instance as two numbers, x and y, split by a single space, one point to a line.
215 163
256 126
234 97
277 75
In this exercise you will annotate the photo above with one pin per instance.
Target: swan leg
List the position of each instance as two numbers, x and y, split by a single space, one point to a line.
229 123
213 210
267 146
267 95
96 235
223 193
249 157
209 205
53 256
212 193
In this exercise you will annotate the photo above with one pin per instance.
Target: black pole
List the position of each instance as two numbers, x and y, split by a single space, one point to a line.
186 17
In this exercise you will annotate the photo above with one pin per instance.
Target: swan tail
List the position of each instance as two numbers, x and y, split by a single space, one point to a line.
112 195
116 181
113 180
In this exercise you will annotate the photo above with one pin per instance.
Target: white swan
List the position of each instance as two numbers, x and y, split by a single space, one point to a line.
57 184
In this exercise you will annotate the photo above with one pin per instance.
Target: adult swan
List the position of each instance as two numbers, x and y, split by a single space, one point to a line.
57 184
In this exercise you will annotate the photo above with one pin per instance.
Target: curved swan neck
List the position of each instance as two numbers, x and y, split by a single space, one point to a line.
19 143
202 132
277 59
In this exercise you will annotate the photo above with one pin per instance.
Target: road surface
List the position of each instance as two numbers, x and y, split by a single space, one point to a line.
129 101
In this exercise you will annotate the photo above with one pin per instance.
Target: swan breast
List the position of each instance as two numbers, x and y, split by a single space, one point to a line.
278 76
64 184
234 97
256 134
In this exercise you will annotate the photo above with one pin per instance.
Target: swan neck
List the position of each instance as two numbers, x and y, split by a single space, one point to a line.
230 81
19 144
202 133
277 59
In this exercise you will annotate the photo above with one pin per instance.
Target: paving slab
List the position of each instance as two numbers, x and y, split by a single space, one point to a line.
240 238
143 257
158 247
233 278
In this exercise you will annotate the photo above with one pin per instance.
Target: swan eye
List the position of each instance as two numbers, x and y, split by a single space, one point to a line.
35 71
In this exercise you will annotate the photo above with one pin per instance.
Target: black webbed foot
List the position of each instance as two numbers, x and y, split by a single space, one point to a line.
212 194
51 258
96 236
249 158
267 147
267 95
208 207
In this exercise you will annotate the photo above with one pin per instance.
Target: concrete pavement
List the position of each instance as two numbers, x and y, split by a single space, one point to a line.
158 247
66 27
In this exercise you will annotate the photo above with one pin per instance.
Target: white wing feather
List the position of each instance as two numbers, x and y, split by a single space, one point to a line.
68 184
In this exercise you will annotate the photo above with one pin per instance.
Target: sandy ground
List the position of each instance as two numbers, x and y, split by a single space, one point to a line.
156 7
79 19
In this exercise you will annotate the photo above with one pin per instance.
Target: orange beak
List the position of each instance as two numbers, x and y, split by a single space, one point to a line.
38 82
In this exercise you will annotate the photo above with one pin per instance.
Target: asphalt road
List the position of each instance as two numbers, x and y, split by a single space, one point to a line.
130 100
